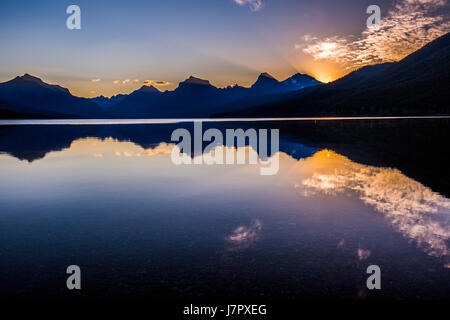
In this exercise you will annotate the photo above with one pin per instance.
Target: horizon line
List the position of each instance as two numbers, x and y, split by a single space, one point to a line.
15 122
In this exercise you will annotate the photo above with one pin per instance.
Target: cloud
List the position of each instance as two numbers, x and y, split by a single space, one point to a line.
407 27
156 83
96 80
254 5
146 82
126 154
162 148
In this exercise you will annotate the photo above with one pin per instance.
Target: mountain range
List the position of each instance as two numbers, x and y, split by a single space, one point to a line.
416 85
29 97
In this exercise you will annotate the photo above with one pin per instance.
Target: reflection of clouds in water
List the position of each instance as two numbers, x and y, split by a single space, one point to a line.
244 236
246 233
363 254
413 209
341 244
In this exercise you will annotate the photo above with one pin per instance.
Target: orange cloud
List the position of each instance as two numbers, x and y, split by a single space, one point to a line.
156 83
405 29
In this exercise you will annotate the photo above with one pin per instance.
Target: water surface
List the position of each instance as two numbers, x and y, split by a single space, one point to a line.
109 199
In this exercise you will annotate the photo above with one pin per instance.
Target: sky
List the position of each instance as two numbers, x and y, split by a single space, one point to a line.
124 44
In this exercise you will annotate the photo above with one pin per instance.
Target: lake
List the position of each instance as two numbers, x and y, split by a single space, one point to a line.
108 198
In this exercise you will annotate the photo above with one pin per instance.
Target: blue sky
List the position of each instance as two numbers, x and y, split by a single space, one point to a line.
123 44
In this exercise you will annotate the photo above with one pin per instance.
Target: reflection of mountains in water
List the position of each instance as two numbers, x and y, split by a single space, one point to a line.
413 146
414 210
33 142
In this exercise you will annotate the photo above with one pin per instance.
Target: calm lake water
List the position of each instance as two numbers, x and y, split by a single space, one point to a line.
108 198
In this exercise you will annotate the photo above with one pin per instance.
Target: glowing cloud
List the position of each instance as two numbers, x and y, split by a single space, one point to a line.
254 5
162 148
403 30
96 80
156 83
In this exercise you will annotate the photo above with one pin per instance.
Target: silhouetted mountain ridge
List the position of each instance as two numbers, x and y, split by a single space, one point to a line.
35 97
265 81
28 96
416 85
195 81
196 97
105 103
